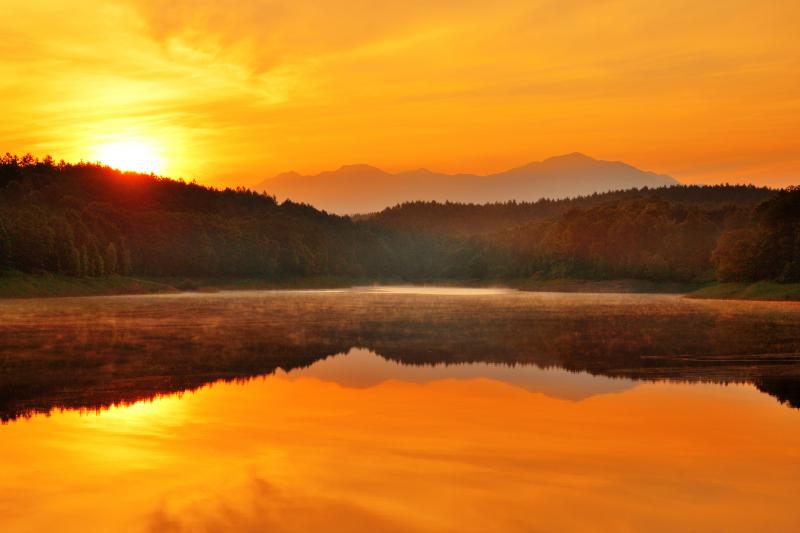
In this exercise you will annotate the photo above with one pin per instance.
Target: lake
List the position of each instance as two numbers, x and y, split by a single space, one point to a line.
399 409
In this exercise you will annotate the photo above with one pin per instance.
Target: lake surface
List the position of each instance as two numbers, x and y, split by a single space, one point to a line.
399 409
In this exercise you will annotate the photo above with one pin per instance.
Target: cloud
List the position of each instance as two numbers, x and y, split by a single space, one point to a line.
235 91
262 506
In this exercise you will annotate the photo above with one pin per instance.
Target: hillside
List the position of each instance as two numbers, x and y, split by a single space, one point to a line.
461 220
88 221
364 189
650 238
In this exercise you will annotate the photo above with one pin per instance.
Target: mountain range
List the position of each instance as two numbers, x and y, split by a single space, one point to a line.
364 189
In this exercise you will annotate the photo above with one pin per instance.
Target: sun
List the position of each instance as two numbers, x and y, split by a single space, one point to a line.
135 156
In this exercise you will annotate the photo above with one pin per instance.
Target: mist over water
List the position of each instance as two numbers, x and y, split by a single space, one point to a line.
92 352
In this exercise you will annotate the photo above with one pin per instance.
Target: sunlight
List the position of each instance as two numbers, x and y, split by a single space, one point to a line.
130 155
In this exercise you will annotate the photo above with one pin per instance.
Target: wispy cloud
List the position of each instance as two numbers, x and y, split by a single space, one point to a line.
236 91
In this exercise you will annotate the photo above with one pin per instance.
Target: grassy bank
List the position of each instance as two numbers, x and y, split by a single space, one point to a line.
243 284
762 290
609 286
19 285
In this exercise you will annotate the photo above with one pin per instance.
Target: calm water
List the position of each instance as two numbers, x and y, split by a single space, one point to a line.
397 410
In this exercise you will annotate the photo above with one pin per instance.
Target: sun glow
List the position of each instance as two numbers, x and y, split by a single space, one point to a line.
130 155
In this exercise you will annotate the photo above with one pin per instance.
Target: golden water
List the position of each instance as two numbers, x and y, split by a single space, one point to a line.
359 442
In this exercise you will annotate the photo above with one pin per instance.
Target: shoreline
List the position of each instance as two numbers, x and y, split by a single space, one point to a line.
16 285
762 291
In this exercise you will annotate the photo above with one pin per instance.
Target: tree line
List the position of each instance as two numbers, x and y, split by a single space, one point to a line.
89 220
678 233
460 219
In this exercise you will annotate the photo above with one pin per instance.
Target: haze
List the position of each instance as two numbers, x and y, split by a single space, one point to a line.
233 93
357 189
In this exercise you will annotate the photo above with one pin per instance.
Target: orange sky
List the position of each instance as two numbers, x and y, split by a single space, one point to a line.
232 92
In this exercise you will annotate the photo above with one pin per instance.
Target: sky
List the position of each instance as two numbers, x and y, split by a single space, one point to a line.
229 93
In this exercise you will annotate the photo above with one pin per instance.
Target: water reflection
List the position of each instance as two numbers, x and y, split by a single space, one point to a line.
299 453
361 368
392 411
89 353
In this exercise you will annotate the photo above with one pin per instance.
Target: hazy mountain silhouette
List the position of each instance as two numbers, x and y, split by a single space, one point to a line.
361 368
364 188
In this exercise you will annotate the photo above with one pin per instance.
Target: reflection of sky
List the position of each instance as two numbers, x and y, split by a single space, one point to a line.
361 443
467 455
362 368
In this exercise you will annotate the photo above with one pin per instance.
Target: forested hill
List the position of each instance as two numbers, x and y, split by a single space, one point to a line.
685 233
731 233
86 220
476 219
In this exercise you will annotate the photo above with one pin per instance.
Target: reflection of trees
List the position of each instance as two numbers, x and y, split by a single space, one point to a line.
94 353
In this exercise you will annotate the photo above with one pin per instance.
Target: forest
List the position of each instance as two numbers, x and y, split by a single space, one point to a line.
90 220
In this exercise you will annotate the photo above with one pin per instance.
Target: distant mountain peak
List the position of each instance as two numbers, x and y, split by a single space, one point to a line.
574 156
362 188
360 168
566 161
575 159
